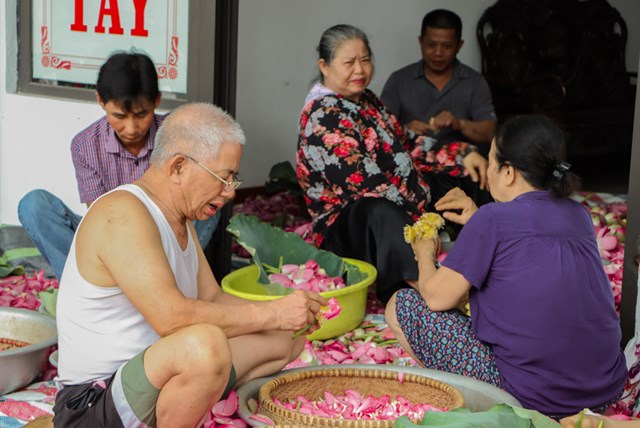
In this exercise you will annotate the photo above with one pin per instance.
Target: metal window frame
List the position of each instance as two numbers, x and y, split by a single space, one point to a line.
211 69
200 66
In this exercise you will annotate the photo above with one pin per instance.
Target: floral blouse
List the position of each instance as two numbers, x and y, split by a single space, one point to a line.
349 150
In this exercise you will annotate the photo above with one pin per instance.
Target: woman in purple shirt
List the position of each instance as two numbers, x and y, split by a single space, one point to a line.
543 324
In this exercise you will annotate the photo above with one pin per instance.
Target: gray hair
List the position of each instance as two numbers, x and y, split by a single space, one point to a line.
334 37
198 130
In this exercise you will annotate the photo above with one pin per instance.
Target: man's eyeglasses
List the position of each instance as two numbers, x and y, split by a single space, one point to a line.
229 185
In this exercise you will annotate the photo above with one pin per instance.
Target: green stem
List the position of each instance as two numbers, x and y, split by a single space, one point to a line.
366 336
301 331
368 325
270 269
387 342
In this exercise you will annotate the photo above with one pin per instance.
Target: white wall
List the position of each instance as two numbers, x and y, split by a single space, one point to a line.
276 63
35 134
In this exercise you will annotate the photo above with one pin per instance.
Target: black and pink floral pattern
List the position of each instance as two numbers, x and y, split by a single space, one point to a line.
350 150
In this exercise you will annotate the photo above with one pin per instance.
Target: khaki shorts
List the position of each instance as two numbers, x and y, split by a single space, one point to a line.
126 399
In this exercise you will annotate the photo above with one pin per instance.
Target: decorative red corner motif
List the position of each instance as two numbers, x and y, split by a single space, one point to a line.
48 60
170 71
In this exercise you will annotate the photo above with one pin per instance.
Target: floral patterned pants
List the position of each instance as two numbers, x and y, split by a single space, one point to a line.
444 340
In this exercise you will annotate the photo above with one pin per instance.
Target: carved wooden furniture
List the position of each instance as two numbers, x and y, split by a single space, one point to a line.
564 58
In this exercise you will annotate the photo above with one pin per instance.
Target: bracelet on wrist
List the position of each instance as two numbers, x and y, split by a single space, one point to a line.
469 149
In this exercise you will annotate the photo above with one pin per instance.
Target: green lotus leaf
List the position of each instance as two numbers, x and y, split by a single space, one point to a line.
272 246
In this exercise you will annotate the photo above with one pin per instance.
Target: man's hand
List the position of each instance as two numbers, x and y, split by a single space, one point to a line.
421 128
444 119
296 310
476 165
456 200
478 131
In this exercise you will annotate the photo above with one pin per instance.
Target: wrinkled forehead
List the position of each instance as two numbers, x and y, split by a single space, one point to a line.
354 46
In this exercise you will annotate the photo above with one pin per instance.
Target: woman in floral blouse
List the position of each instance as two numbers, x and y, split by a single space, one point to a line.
363 175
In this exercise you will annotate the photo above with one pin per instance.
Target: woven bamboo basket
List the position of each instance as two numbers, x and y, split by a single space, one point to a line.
375 382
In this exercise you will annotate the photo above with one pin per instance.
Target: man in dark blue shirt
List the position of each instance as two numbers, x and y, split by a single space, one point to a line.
438 95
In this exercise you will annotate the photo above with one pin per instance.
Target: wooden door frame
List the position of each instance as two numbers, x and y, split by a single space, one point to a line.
218 252
628 304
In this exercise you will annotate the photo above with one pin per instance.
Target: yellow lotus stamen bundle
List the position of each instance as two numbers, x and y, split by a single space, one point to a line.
426 227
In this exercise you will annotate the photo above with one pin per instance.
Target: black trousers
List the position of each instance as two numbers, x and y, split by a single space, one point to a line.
371 229
440 184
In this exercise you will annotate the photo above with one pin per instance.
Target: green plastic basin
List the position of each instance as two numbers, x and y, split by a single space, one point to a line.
243 283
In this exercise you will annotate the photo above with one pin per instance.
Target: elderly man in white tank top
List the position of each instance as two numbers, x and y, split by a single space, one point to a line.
146 335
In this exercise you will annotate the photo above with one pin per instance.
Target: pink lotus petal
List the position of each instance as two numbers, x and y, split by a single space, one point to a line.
262 419
334 309
396 352
6 299
227 407
388 334
326 360
608 243
306 409
365 406
20 302
380 355
307 277
19 288
306 274
335 346
358 352
236 423
385 400
353 406
366 359
279 278
289 268
313 286
620 417
329 398
338 356
352 396
222 420
442 256
312 264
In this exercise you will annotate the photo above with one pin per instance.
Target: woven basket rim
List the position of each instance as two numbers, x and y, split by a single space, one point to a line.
264 395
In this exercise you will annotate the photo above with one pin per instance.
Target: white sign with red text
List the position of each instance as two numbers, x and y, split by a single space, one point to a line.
73 38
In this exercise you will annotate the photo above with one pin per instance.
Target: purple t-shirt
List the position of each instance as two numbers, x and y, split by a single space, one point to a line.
541 299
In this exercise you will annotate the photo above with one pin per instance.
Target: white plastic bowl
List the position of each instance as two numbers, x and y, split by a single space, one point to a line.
20 366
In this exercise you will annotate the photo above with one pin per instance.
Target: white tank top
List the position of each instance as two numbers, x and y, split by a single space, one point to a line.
98 327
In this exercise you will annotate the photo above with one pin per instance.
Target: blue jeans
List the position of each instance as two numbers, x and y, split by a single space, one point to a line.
51 226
